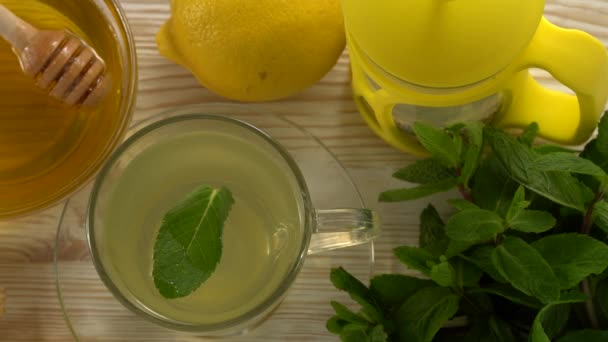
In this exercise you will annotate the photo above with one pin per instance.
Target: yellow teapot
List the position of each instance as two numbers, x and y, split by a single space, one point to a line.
448 61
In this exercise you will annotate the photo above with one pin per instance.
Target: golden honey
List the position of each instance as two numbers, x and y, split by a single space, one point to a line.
46 147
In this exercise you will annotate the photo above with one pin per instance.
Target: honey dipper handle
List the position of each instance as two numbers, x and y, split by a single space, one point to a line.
15 30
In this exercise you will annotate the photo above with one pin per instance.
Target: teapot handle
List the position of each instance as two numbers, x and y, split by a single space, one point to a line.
578 61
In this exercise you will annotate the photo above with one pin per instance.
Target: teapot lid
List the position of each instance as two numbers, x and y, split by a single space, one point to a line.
442 43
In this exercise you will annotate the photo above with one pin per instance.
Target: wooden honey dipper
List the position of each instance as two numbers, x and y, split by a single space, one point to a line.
59 61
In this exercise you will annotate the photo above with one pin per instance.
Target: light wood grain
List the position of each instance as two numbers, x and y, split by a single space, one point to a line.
325 109
2 301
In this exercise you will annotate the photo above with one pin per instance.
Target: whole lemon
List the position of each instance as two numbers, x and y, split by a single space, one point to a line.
250 50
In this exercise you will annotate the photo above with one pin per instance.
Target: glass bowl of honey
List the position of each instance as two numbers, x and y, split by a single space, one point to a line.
48 150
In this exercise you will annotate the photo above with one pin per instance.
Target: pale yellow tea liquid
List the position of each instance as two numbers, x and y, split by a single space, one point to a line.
46 146
262 235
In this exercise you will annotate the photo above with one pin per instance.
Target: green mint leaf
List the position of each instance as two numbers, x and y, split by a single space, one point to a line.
546 149
456 128
601 296
474 131
335 325
474 225
456 247
466 274
431 226
568 162
532 221
377 334
432 233
481 256
462 204
426 171
415 258
439 143
477 332
458 141
508 292
603 276
493 187
573 257
585 336
401 195
344 281
551 320
439 247
518 160
423 314
518 197
475 305
354 333
443 274
518 203
489 329
393 289
573 296
602 135
529 134
515 209
188 247
500 330
592 152
524 267
600 215
369 308
347 315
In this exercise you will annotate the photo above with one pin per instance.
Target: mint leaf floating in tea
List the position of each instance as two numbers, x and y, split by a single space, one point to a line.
189 243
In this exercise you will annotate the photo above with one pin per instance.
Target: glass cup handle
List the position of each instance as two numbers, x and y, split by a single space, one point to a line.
339 228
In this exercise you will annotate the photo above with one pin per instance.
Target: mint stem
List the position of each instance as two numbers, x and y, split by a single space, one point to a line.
465 194
586 229
463 189
587 220
589 307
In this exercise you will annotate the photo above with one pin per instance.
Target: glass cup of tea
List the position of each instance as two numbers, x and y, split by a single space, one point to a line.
271 229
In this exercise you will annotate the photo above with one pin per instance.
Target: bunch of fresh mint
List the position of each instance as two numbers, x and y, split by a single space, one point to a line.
524 256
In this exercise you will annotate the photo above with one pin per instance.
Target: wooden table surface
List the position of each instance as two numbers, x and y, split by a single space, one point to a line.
325 109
